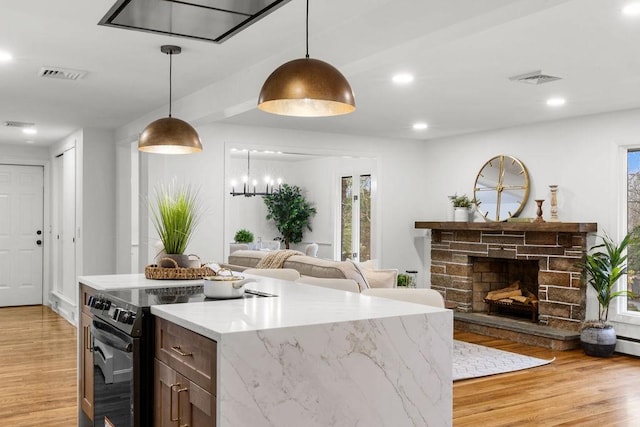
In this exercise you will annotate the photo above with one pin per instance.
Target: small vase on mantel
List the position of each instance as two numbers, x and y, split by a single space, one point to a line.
461 214
452 209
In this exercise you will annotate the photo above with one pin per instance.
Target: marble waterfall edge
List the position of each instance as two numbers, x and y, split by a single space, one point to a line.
393 371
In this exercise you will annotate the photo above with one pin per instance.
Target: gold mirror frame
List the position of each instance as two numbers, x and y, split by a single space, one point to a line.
501 188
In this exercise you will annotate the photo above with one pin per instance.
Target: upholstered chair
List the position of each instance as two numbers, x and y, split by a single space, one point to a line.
311 249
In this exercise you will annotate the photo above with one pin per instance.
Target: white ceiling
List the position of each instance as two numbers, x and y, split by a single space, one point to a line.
462 53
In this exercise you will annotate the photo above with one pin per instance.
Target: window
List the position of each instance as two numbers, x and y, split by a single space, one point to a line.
633 224
355 230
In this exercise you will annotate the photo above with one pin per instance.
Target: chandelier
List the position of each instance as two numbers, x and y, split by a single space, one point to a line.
250 186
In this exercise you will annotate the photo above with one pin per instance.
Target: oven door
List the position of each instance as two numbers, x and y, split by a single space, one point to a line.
115 375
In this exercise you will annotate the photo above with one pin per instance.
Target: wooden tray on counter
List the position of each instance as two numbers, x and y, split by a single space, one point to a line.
155 272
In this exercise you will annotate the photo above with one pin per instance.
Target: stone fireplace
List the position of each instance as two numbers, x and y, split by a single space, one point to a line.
470 259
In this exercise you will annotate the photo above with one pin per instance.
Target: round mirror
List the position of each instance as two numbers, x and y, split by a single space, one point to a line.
501 188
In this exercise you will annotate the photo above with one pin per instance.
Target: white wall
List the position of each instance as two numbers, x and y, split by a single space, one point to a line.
18 154
580 155
98 196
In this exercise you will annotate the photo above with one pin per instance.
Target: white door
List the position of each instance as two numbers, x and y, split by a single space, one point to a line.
21 234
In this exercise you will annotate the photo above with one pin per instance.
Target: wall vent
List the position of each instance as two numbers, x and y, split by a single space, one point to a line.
534 78
14 124
61 73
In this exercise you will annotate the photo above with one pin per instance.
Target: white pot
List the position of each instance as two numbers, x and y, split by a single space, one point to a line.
461 215
223 287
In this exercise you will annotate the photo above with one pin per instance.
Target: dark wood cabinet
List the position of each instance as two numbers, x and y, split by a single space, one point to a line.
179 402
185 377
85 356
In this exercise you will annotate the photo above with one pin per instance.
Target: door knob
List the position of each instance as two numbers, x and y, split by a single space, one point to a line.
38 242
39 232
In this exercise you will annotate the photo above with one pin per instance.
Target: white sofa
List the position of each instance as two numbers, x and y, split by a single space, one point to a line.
362 273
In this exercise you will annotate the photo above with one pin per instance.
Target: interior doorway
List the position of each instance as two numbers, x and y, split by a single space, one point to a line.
21 234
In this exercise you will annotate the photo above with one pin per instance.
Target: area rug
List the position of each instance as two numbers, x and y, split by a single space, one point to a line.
473 361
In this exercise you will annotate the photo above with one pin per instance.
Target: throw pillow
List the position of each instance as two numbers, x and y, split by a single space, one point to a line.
361 272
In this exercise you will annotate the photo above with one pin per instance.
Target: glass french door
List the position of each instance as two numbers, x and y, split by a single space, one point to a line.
355 228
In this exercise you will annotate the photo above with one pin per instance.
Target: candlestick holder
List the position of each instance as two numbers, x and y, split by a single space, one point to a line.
554 203
539 212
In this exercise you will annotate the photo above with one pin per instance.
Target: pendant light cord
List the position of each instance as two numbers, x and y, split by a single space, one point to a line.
170 68
307 33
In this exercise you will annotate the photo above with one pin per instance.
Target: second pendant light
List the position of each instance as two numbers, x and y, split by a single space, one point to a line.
306 87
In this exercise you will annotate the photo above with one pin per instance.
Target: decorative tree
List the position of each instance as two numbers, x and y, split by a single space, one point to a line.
290 211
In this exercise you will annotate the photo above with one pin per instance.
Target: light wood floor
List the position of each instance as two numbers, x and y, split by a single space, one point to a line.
37 368
574 390
38 381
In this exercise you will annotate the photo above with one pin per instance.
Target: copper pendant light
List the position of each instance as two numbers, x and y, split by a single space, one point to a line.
306 88
170 135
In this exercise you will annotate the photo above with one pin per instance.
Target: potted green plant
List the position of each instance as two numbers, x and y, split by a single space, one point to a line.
175 213
290 211
403 280
462 205
604 265
243 236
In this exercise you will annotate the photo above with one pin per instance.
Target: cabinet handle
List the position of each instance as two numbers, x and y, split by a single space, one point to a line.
178 350
171 403
180 390
87 339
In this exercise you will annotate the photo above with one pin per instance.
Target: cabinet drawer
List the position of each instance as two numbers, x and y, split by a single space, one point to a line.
190 354
179 399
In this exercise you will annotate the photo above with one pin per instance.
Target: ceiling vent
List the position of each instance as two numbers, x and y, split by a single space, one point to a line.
61 73
534 78
14 124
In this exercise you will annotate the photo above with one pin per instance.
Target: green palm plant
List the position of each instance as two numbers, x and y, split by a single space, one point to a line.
604 268
175 214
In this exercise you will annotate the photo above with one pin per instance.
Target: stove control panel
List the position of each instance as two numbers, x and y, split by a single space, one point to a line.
118 313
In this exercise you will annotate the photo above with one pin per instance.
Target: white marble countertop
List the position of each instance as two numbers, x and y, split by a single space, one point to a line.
296 305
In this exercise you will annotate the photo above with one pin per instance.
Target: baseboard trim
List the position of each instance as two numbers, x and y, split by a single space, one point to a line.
628 346
65 308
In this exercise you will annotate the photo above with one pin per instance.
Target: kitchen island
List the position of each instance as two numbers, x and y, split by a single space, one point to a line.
320 357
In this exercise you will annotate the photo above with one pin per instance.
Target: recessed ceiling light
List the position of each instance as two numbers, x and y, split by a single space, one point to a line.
420 126
28 141
402 78
5 56
632 9
556 102
30 131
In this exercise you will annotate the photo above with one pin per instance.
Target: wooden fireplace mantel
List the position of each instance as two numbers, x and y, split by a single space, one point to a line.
558 227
